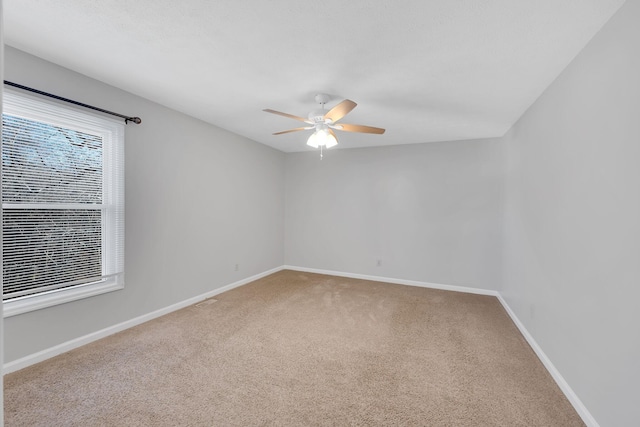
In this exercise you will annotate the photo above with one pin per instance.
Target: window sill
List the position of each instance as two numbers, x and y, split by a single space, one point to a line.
37 302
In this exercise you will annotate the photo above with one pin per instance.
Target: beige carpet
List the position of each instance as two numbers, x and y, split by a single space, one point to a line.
298 349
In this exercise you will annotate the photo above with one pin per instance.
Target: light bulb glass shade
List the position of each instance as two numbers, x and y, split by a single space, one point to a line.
313 140
330 141
321 138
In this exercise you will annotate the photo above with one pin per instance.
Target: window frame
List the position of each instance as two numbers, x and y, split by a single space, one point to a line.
112 240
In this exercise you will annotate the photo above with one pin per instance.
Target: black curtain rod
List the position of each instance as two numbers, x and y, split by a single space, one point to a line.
127 119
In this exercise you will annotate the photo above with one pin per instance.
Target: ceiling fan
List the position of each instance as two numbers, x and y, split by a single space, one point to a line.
324 122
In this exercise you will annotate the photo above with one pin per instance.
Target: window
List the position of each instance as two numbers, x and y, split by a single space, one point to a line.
62 204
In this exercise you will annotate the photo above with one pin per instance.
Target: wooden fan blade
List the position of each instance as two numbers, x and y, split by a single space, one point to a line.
359 128
290 130
333 133
340 110
291 116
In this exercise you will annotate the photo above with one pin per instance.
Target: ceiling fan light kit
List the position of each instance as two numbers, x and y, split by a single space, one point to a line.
322 138
324 122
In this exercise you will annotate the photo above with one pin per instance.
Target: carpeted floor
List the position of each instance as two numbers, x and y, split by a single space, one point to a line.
299 349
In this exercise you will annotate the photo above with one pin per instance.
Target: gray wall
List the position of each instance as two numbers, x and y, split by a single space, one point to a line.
430 212
199 200
572 221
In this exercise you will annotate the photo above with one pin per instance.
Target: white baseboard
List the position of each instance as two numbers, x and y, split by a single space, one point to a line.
573 398
454 288
86 339
586 416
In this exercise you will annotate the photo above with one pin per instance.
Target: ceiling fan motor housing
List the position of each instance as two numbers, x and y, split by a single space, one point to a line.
317 116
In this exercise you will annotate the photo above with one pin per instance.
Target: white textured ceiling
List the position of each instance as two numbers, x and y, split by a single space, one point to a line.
426 70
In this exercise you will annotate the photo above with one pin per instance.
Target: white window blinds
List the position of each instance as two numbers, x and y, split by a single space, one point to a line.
62 199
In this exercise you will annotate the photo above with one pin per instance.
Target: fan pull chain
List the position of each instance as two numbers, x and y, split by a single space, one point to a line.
321 153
